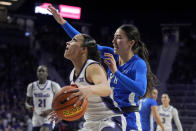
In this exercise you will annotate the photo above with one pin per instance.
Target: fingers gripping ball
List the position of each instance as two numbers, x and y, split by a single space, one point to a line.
65 108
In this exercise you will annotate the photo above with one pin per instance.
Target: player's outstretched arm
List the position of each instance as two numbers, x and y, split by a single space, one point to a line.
56 15
71 31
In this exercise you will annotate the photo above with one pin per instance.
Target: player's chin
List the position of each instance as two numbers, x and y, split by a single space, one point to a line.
66 55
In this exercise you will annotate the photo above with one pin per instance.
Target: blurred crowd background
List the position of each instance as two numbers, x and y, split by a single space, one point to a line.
28 40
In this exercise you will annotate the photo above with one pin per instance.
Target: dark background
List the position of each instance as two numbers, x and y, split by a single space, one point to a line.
20 55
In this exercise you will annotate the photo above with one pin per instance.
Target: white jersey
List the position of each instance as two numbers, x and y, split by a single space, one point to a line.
98 108
166 115
42 99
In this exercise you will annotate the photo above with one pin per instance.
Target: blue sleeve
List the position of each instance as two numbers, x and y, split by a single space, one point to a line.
105 49
70 30
153 102
140 83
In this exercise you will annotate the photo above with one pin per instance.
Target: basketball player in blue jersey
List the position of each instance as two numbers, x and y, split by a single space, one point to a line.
129 72
39 99
167 113
149 111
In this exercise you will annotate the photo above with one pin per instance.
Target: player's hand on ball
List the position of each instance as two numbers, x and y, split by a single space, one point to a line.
82 92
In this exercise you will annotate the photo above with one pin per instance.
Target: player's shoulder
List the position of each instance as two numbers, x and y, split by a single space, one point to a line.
93 66
159 106
173 108
31 84
92 63
152 101
138 58
139 62
54 83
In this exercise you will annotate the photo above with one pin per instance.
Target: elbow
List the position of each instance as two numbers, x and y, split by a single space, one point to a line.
108 92
142 92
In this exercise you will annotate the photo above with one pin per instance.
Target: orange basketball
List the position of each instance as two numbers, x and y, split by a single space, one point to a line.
65 108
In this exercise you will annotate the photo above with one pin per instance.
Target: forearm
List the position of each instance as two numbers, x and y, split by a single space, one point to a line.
70 30
158 121
101 89
176 119
178 124
139 86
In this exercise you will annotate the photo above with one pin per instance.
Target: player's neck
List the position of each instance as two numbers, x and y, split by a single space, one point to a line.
42 81
124 58
78 66
166 106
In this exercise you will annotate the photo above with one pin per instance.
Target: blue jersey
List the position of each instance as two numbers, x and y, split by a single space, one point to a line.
147 120
128 82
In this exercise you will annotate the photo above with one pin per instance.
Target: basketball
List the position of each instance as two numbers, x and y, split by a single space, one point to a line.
65 108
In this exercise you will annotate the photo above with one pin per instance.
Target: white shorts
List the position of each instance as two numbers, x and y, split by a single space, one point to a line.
113 123
38 121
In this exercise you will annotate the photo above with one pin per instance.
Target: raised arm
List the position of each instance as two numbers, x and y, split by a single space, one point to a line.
71 31
65 25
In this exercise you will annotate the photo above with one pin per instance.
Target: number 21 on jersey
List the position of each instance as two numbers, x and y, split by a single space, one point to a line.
42 103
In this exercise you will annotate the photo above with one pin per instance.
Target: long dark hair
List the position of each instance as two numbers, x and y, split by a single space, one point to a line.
139 48
91 45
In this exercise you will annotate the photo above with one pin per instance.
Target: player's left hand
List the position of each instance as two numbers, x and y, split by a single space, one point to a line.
110 62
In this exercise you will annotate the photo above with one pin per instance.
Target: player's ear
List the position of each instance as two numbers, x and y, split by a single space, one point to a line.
131 43
84 49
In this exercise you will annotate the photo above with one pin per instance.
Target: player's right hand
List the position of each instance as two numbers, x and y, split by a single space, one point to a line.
56 15
82 93
31 109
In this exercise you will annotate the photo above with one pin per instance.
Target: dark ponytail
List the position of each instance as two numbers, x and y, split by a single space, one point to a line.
91 45
140 48
142 52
